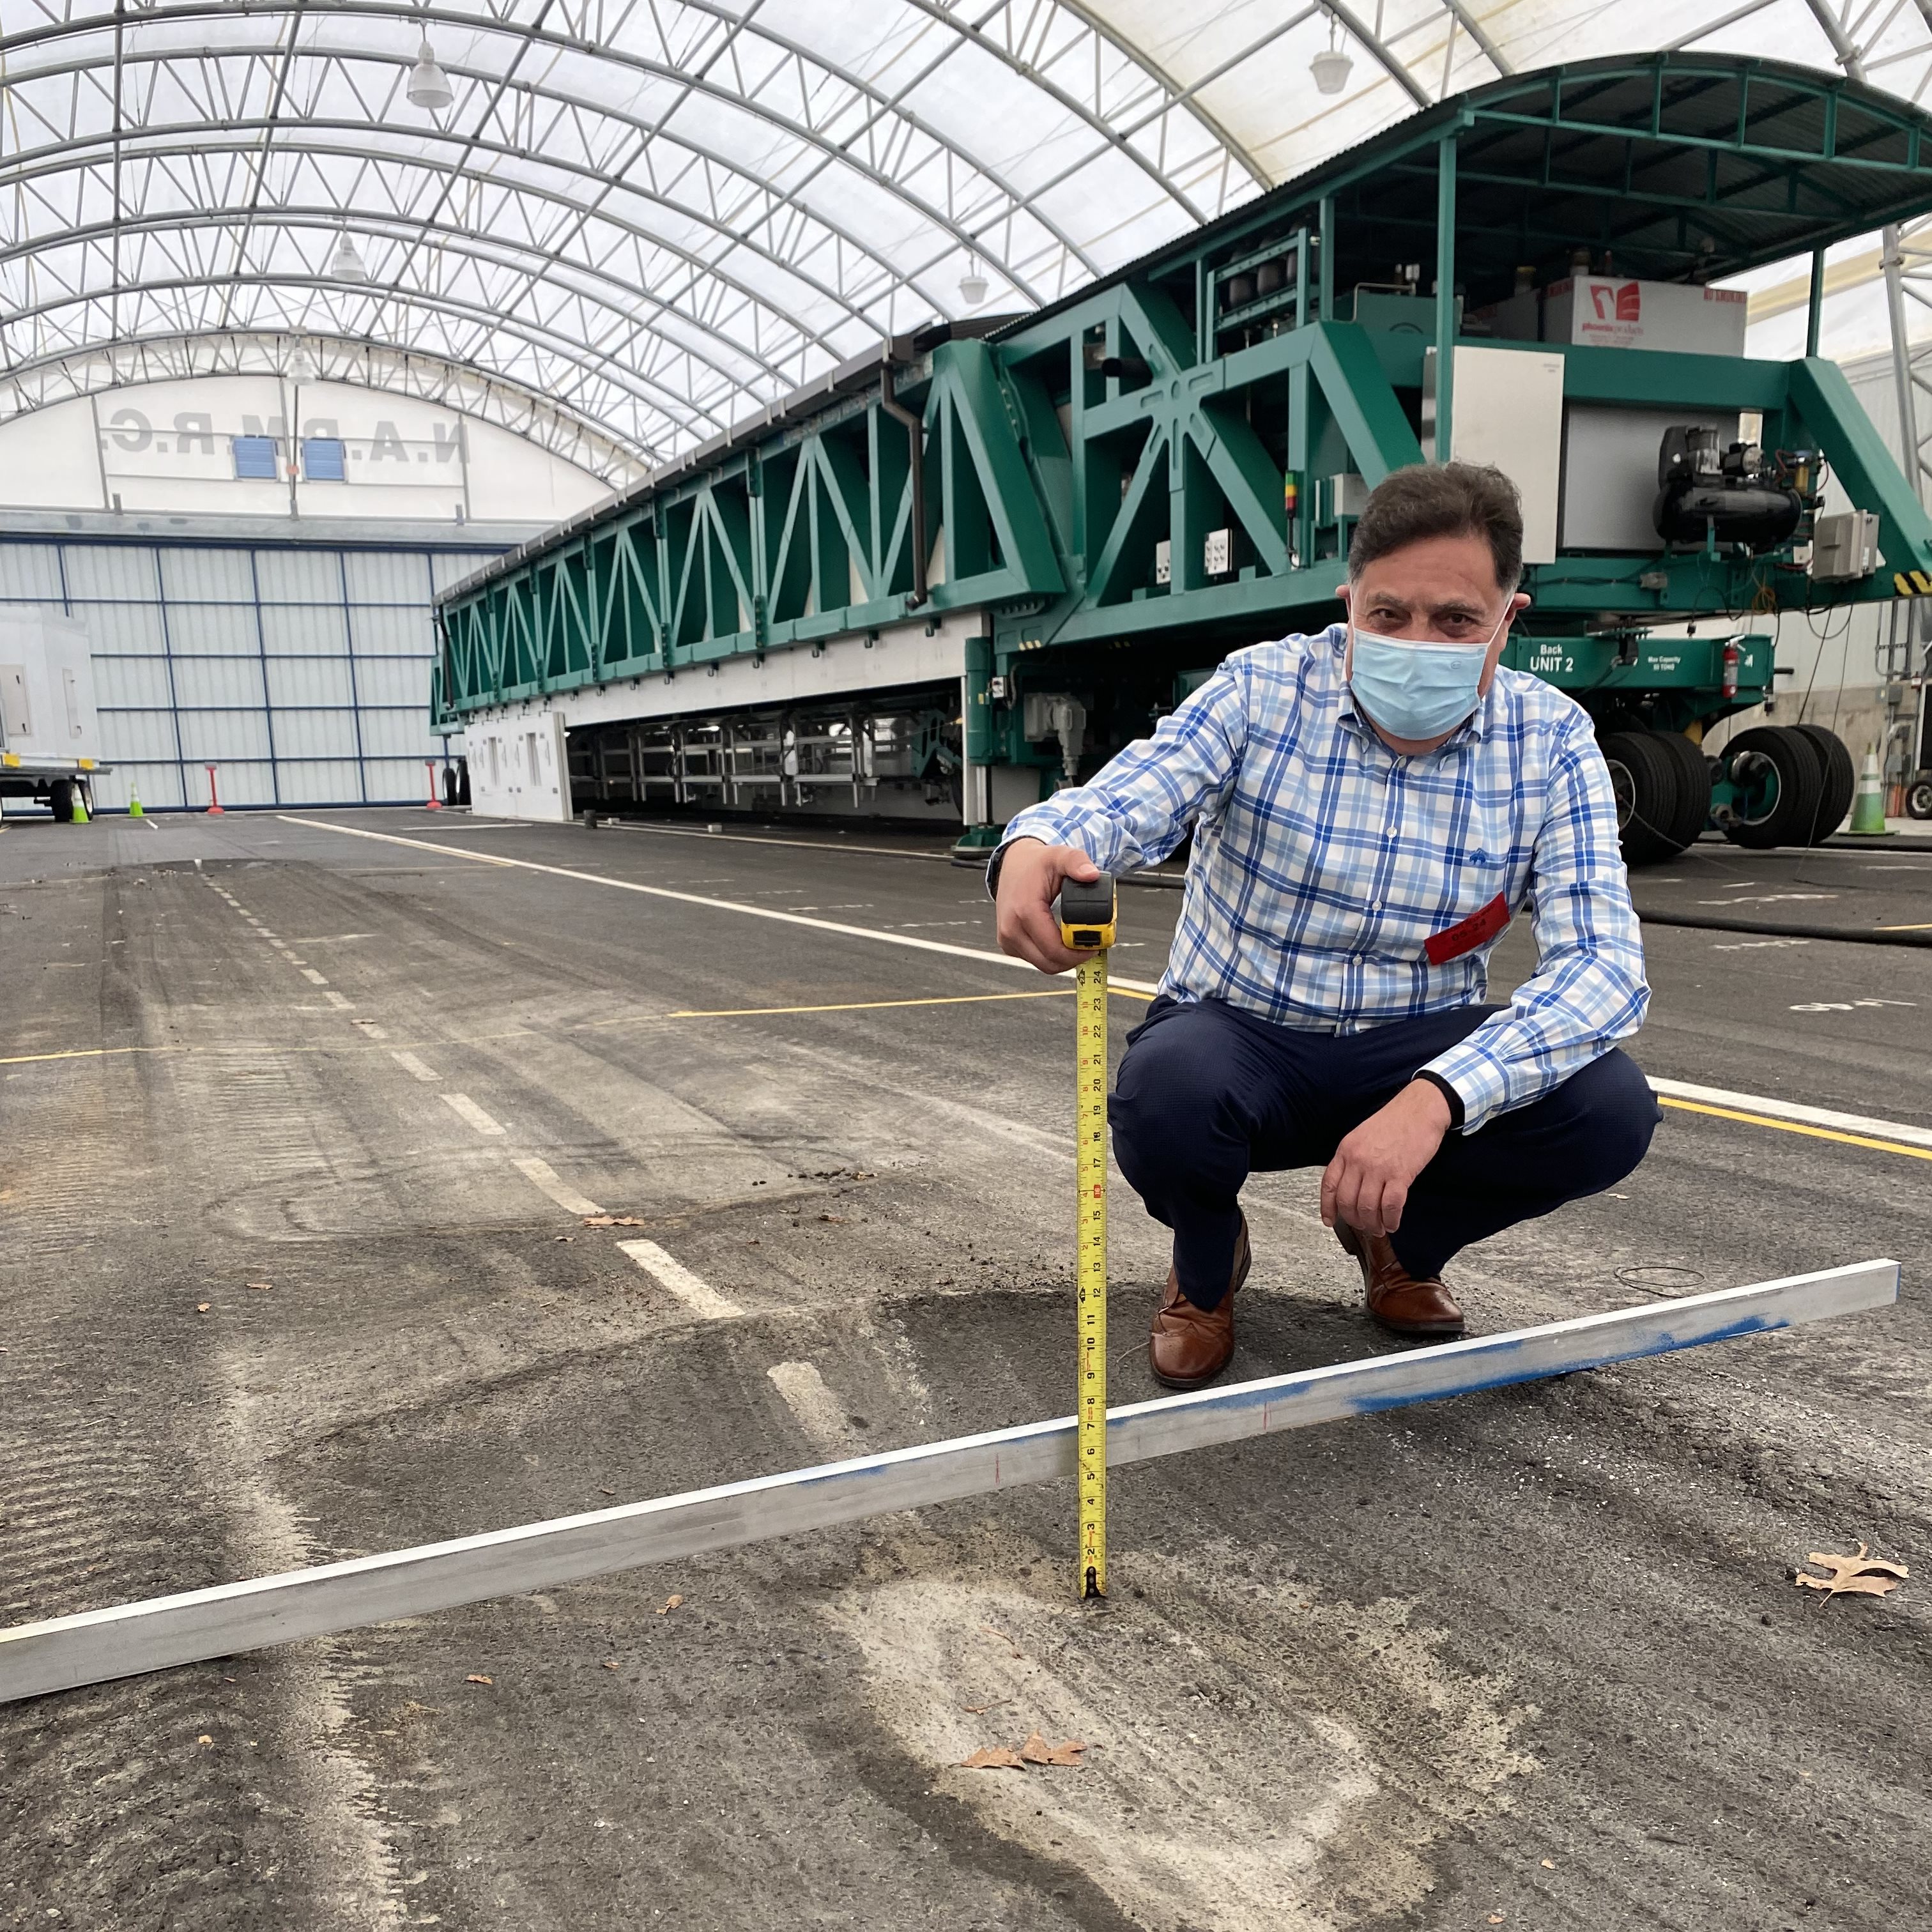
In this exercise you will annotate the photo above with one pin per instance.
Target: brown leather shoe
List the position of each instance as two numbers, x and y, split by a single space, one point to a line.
1189 1346
1422 1309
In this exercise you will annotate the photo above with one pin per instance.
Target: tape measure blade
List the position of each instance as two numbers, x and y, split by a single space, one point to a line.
1090 1276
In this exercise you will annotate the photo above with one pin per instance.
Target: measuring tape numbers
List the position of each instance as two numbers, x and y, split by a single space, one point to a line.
1086 923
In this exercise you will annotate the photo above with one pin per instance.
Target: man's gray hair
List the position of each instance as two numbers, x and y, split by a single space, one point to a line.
1442 499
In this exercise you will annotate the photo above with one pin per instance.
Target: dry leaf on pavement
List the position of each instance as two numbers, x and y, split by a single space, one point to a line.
260 1284
1037 1751
669 1604
1863 1575
993 1757
476 1677
202 1307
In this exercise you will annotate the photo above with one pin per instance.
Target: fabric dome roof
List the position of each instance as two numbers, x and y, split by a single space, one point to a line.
643 223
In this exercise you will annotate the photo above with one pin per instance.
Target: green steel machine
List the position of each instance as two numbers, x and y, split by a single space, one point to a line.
950 576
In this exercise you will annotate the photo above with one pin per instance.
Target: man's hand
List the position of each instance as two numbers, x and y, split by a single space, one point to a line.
1030 877
1367 1183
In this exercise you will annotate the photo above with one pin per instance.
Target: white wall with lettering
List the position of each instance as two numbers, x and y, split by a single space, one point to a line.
170 446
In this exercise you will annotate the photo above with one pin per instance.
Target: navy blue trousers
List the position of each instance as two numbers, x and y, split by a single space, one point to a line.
1209 1094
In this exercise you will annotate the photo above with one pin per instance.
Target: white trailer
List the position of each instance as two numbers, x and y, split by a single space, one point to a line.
49 734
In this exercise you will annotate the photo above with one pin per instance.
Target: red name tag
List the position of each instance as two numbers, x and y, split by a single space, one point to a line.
1465 935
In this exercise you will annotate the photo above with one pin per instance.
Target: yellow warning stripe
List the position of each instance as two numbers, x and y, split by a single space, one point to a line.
1798 1127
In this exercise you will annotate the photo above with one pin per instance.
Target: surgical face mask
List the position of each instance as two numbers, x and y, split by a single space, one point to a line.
1417 690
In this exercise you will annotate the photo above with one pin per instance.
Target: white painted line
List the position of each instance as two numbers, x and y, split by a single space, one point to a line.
370 1030
904 939
545 1177
1790 1110
818 1411
314 978
336 1000
462 1104
699 1297
409 1063
95 1645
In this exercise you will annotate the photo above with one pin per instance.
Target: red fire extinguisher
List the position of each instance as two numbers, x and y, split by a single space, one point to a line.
1733 657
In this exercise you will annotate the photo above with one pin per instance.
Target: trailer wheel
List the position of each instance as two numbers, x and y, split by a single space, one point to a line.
60 800
1841 780
1694 786
1918 799
1778 775
1643 776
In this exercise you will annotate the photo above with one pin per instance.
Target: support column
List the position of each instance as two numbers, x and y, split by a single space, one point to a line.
1445 295
975 745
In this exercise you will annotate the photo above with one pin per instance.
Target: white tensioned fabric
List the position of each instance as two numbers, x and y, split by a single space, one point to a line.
639 221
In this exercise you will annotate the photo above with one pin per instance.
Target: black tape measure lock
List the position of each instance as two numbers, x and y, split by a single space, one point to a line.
1087 918
1087 913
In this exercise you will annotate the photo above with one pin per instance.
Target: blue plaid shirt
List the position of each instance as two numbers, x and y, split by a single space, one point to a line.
1323 860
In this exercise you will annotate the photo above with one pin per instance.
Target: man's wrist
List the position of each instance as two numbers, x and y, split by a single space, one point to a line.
999 860
1451 1099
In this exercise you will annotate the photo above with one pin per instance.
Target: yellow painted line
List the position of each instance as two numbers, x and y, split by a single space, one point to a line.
88 1053
1902 928
1797 1127
874 1006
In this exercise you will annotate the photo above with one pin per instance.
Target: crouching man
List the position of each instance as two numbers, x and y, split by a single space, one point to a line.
1370 806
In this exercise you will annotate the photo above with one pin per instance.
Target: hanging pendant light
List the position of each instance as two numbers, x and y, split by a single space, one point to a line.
972 283
345 264
1331 66
429 85
302 366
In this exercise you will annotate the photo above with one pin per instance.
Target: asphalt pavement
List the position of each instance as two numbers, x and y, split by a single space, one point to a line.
298 1130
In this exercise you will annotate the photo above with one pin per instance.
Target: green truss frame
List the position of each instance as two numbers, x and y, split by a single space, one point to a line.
1076 464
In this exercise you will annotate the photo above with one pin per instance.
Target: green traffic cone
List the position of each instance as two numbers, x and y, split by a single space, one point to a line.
1868 808
79 808
134 804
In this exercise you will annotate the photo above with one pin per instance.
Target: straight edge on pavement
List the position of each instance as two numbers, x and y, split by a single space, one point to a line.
93 1646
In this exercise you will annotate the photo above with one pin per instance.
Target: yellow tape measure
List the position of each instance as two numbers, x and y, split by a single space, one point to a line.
1087 921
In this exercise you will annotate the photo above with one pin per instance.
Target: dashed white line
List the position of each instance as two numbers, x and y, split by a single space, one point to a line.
699 1296
314 978
461 1105
409 1063
338 1000
819 1412
544 1177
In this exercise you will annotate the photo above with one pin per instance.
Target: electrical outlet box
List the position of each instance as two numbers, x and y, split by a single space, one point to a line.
1163 562
1217 553
1844 546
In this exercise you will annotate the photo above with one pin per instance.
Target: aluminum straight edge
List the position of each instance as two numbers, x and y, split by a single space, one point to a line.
96 1645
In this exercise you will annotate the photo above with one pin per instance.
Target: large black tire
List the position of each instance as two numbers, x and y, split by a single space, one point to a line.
1643 775
60 800
1694 786
1841 780
1788 814
1918 799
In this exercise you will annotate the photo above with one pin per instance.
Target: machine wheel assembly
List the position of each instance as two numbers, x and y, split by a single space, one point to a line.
1779 775
1841 780
60 800
1693 787
1649 795
1918 799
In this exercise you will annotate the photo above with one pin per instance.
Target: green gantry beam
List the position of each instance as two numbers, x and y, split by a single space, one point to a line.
1076 463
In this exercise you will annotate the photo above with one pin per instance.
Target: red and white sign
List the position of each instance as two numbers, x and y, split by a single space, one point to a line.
1614 312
